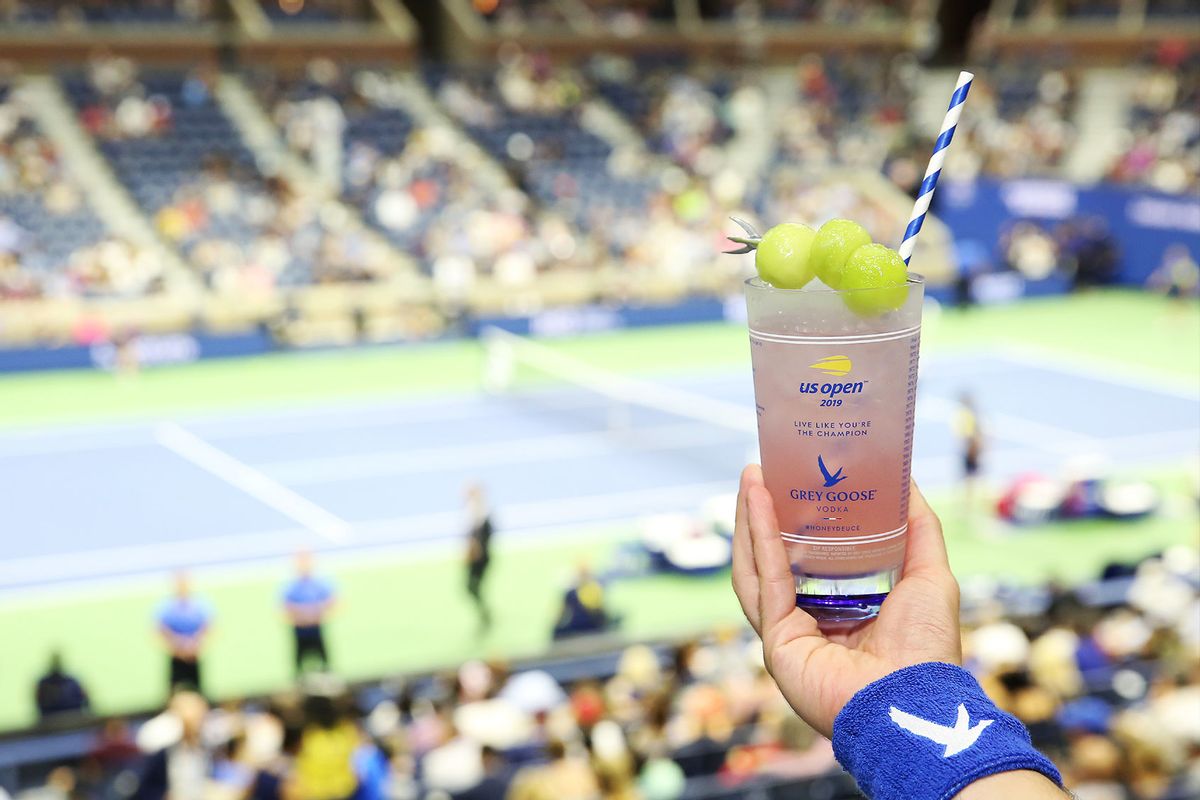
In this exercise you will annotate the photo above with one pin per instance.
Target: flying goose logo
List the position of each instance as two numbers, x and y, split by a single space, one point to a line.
956 739
830 479
837 366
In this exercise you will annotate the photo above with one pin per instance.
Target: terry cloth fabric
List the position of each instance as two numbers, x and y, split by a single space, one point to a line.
926 732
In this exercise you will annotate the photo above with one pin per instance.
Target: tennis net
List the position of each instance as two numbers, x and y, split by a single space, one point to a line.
513 361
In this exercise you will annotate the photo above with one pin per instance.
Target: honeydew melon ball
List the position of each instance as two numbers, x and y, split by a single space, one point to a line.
876 267
835 242
782 256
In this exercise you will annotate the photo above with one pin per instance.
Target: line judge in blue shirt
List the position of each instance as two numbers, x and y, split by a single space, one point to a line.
184 622
307 600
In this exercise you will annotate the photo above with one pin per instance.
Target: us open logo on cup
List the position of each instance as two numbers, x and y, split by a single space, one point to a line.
838 366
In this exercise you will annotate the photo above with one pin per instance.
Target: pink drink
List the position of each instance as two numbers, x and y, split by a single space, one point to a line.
836 393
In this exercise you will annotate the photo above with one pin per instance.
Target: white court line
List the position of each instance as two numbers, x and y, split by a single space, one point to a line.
557 447
1150 442
69 439
402 415
561 447
153 555
401 411
218 572
393 531
449 525
1039 435
479 409
349 413
254 483
21 448
430 531
1117 373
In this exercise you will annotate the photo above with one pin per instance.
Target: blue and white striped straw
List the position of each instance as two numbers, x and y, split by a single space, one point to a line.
921 208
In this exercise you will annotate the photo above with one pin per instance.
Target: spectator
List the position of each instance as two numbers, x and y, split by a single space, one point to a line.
583 607
497 776
1178 275
308 599
567 776
1087 244
59 693
114 747
275 771
62 783
1029 250
184 623
325 766
182 769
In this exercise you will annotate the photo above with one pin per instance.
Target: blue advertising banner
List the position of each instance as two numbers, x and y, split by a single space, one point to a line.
1144 224
152 350
590 319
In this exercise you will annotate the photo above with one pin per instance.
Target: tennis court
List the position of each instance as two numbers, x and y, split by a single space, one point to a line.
370 474
336 452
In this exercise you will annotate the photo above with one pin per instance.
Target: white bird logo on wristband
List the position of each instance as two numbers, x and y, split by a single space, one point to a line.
956 739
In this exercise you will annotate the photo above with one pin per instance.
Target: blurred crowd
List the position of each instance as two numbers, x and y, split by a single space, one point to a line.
123 107
1106 676
658 202
51 243
75 12
646 191
1161 145
1081 247
1020 121
519 14
243 229
316 11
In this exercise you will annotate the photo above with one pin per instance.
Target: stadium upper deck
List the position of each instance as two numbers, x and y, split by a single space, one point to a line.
346 170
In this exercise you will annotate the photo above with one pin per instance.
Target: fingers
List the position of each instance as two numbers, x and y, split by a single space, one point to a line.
925 553
776 585
745 576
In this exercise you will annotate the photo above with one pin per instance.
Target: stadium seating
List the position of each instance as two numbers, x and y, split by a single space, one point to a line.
316 11
675 105
188 169
509 14
1163 137
142 11
534 116
109 12
372 131
48 232
544 143
1167 10
530 117
187 136
1109 658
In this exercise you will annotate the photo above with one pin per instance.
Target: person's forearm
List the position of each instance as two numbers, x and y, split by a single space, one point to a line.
1007 785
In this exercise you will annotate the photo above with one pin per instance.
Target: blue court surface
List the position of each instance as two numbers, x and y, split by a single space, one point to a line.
101 502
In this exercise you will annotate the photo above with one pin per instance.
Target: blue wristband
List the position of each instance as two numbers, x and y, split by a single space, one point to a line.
926 732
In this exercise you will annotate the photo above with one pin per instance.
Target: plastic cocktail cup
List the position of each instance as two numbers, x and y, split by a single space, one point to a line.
836 392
